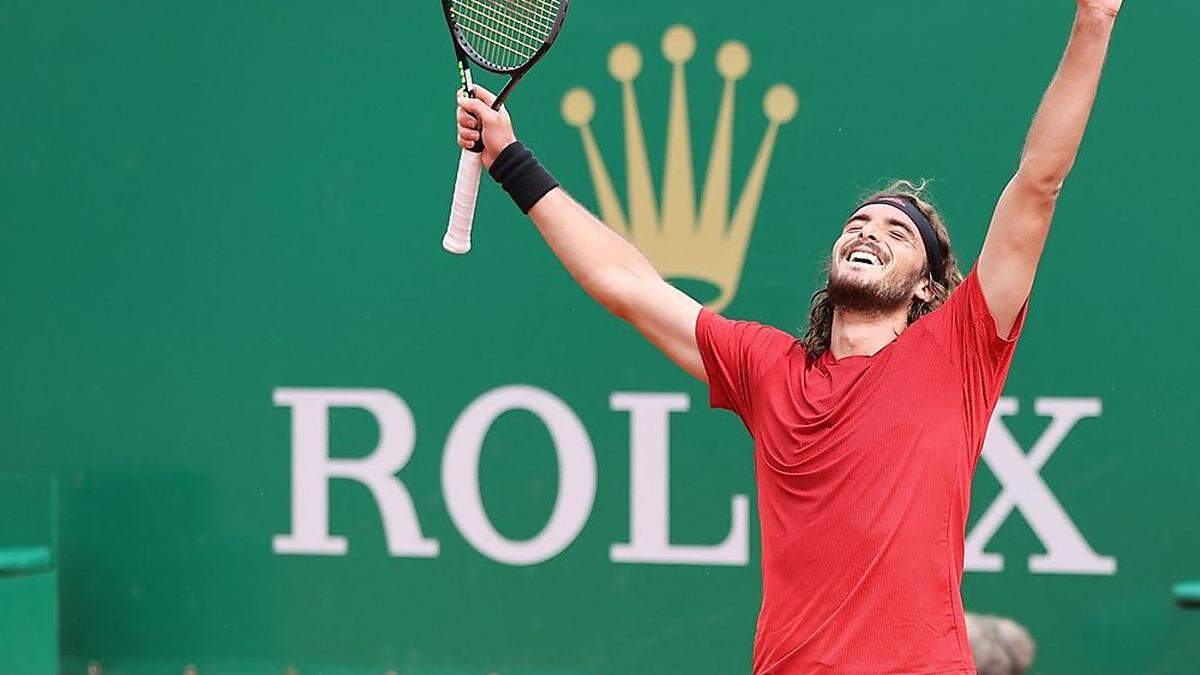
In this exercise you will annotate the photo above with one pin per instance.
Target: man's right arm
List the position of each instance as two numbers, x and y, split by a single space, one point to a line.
620 278
607 266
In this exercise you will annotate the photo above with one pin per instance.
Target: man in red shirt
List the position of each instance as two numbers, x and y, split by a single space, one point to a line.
866 431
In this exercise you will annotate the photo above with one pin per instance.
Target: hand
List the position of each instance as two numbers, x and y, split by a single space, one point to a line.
497 125
1107 7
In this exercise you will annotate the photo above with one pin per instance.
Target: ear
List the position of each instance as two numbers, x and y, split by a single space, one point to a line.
923 291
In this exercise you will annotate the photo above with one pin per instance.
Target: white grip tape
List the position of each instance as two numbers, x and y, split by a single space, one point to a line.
462 211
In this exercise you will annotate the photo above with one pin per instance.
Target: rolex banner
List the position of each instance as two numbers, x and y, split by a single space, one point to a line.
290 432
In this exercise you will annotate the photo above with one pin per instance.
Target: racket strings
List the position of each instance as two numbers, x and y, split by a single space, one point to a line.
507 33
504 22
484 21
505 43
537 11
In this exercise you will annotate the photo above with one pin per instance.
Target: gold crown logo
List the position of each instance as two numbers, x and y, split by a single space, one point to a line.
708 245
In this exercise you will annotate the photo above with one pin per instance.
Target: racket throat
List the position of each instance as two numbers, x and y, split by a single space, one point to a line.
468 82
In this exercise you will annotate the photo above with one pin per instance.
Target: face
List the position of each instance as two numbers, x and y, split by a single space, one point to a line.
878 262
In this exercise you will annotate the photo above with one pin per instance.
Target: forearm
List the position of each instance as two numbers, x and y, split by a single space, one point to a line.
1058 127
600 260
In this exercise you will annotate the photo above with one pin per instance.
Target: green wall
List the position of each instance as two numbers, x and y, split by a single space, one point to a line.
204 203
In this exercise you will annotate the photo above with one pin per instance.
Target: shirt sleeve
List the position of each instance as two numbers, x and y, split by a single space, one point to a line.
966 331
736 354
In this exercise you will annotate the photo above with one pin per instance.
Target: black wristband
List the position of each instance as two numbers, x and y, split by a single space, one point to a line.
522 176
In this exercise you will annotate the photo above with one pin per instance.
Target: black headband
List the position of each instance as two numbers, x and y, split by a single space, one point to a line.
933 250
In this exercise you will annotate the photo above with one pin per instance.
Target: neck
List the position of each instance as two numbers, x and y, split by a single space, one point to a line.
864 334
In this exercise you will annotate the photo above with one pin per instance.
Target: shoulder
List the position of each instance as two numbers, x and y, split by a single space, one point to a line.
956 307
756 340
965 329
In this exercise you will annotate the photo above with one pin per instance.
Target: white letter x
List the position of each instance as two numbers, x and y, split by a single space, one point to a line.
1067 552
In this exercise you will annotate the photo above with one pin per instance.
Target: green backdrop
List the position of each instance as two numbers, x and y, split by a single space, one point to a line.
204 203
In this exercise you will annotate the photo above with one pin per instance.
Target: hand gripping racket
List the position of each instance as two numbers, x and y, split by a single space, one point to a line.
506 37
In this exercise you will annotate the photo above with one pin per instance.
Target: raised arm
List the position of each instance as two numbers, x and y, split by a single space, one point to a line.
1021 222
609 268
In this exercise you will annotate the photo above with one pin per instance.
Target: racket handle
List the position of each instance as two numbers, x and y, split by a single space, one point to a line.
462 210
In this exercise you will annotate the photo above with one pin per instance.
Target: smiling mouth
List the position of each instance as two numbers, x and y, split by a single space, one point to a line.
863 257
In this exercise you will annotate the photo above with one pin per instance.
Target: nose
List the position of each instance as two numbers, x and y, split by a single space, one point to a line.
867 233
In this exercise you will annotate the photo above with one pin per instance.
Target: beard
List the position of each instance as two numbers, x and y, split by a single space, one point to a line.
883 296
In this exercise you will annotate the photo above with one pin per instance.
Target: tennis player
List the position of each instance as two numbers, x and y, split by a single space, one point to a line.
866 430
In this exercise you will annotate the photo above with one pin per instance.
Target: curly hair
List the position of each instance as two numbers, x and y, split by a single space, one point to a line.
817 337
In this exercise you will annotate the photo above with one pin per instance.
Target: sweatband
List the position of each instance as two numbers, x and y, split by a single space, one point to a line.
933 250
522 176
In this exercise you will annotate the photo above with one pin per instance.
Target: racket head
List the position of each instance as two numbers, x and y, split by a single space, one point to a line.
505 36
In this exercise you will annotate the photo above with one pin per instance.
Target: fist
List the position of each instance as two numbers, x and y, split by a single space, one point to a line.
477 119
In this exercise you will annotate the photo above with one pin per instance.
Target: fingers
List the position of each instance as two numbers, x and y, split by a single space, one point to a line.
479 109
475 114
468 127
484 95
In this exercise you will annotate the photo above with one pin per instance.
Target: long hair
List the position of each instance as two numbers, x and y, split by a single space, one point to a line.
817 337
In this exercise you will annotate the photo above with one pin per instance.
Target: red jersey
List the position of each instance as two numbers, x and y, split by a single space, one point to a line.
864 469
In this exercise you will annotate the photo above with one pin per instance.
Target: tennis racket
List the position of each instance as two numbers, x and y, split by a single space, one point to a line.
507 37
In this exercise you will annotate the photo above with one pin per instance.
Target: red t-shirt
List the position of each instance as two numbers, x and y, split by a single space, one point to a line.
864 469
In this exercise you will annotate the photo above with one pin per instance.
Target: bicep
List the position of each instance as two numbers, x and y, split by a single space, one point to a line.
666 316
1015 240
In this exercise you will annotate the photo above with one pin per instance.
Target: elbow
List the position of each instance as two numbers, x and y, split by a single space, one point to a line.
617 305
1043 182
613 289
1043 173
623 291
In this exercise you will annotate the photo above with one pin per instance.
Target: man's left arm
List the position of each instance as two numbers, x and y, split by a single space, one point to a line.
1017 234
